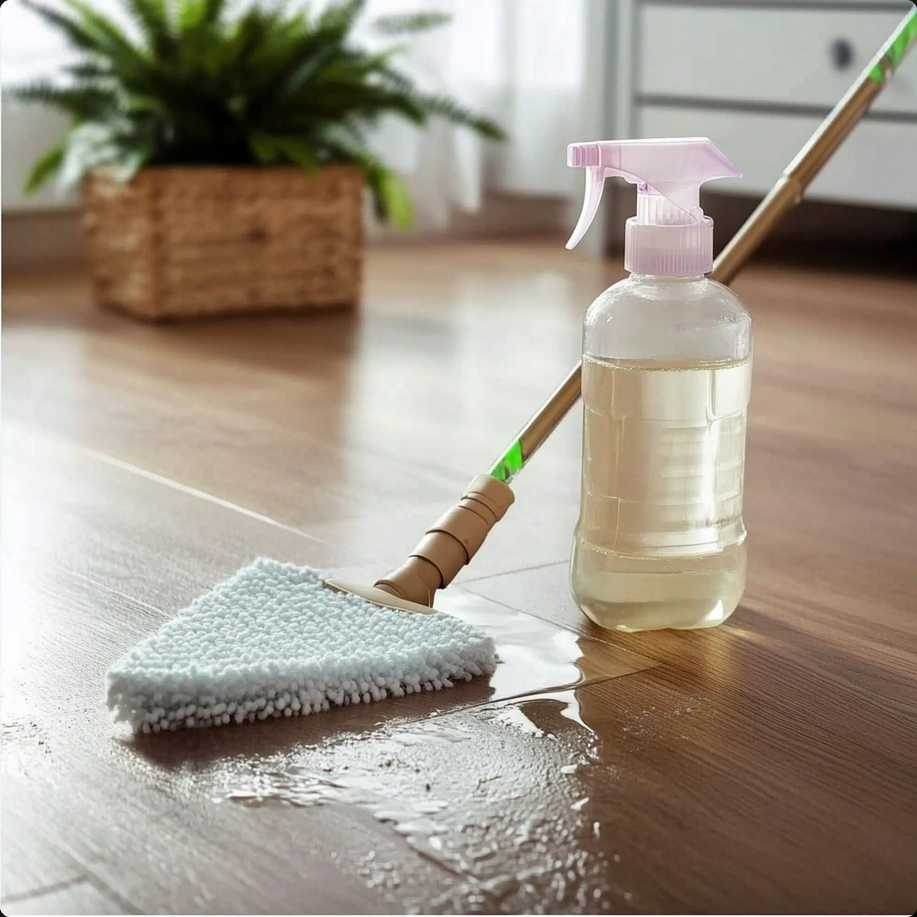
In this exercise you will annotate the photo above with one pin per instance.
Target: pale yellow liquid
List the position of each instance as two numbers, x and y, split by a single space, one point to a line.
660 539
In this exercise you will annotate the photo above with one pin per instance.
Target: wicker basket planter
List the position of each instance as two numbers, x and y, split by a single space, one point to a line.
181 242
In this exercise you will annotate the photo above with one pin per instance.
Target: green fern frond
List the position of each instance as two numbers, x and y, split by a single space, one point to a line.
249 34
89 146
80 101
110 39
396 204
153 18
307 72
45 168
277 149
87 71
451 110
197 14
410 23
207 84
395 80
358 67
72 30
341 15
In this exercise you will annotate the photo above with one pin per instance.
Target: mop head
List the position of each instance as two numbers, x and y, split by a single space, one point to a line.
273 641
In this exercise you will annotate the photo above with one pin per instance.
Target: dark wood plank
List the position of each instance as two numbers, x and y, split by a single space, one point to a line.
720 801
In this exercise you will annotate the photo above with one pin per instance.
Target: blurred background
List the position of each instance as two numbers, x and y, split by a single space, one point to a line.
756 76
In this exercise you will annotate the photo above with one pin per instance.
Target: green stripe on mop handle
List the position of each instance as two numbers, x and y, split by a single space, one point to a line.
510 463
896 50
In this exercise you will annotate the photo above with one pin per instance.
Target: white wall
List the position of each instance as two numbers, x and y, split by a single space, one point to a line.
26 134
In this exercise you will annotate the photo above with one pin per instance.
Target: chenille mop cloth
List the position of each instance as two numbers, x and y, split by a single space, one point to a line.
273 641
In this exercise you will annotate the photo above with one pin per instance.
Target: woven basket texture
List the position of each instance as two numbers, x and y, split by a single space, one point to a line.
182 241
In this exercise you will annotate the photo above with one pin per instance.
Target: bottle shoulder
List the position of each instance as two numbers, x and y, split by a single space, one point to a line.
704 292
656 318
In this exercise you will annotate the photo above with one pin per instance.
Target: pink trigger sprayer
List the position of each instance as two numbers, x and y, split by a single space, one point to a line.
668 175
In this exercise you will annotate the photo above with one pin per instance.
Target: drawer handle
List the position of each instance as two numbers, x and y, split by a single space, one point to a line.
842 54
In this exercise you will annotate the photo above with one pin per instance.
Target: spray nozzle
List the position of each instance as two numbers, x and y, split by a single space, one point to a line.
668 175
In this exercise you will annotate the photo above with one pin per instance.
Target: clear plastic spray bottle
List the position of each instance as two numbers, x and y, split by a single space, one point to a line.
667 354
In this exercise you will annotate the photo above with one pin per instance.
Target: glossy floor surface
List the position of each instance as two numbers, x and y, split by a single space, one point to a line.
768 765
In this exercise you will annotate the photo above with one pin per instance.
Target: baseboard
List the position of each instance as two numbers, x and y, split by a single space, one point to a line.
815 222
44 237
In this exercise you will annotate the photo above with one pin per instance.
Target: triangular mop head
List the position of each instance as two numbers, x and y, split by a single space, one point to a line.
273 641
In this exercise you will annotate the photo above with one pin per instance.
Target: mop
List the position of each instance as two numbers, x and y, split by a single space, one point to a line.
273 641
280 640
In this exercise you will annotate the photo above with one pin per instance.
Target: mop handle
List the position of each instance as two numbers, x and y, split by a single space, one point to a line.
785 195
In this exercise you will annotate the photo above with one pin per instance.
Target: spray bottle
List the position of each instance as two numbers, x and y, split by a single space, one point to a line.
666 380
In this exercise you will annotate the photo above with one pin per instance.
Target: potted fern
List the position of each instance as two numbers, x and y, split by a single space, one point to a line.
223 156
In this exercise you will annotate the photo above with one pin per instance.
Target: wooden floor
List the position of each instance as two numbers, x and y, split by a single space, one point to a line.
769 765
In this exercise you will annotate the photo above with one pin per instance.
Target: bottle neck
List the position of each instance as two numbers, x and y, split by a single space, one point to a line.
663 278
669 250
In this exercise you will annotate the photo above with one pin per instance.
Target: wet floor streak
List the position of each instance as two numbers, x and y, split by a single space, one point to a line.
497 797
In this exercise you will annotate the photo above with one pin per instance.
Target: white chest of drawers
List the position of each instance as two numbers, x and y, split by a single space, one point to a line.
758 77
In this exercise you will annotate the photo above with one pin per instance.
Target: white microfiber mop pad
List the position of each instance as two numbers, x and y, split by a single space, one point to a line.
272 641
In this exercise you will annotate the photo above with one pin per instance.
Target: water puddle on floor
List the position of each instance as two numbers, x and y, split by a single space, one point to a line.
303 787
428 732
536 656
487 806
492 800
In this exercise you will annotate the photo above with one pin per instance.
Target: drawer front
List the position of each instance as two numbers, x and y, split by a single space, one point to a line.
767 56
875 165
